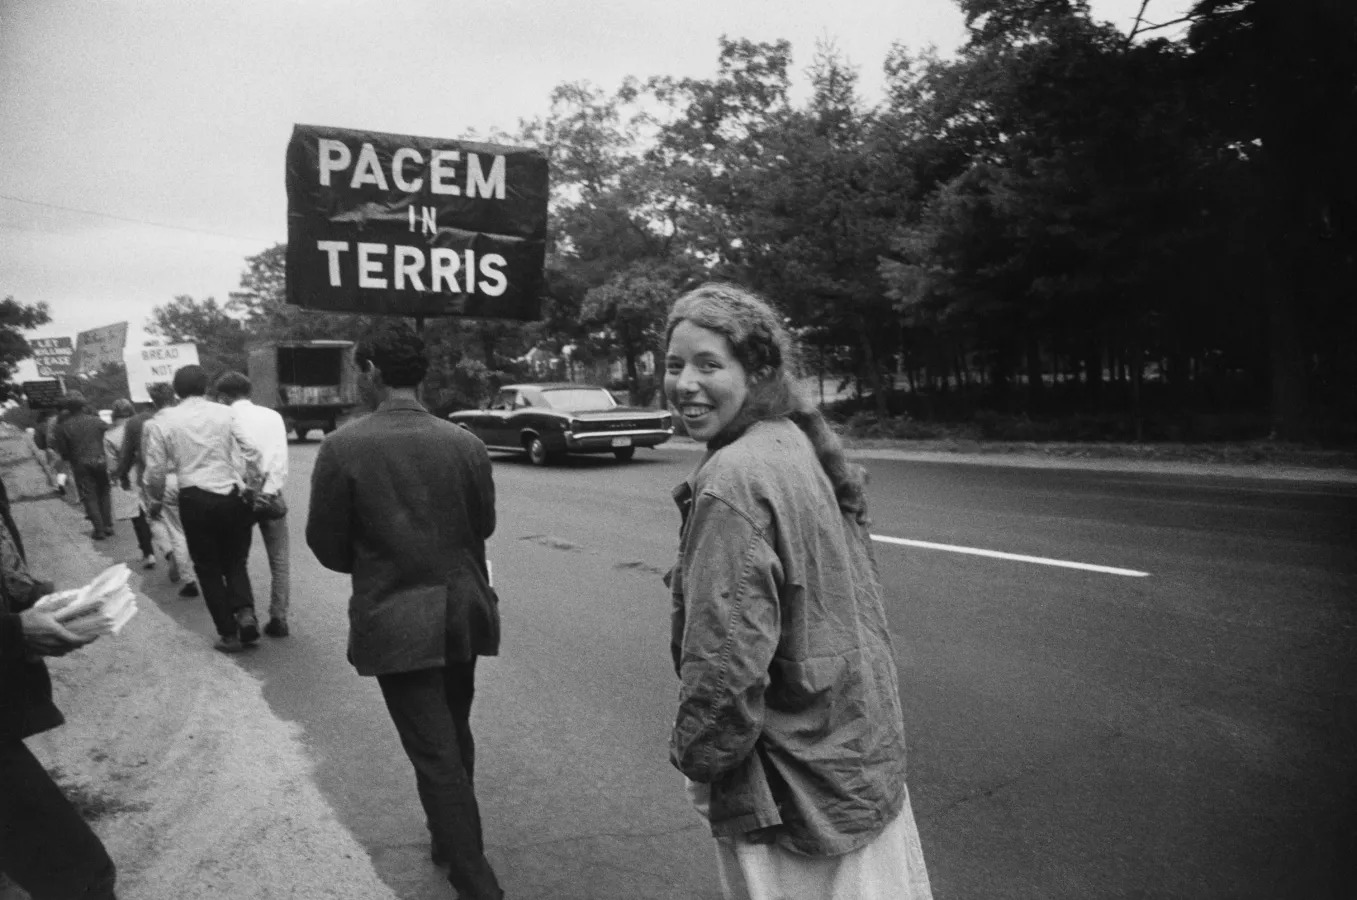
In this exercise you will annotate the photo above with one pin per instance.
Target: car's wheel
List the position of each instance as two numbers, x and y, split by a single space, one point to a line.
537 451
624 454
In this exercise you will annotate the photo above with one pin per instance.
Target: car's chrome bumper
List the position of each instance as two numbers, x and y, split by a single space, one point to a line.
615 440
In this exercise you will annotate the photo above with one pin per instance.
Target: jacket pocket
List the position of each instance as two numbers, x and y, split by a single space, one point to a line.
473 625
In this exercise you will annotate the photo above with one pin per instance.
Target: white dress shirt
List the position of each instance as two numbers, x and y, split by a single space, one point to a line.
198 441
263 429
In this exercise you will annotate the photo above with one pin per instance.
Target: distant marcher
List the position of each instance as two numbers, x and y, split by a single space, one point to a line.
65 478
167 529
126 501
789 726
80 441
46 847
199 442
265 430
404 501
47 456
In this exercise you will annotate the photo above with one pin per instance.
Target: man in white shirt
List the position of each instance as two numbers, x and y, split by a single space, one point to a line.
265 431
167 529
198 441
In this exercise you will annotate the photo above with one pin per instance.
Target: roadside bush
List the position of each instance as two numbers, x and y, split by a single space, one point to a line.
21 417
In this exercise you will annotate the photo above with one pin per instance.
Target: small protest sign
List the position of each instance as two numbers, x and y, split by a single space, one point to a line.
43 394
149 365
98 347
52 355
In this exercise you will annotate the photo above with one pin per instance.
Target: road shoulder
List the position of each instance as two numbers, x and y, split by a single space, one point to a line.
197 789
1095 458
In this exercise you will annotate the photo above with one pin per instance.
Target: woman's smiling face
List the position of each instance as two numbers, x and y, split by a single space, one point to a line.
703 380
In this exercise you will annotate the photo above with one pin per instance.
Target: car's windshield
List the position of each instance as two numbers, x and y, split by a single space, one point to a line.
579 399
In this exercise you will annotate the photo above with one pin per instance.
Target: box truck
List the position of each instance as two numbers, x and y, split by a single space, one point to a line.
312 384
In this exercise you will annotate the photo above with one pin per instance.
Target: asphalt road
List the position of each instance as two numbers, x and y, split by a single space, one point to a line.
1178 721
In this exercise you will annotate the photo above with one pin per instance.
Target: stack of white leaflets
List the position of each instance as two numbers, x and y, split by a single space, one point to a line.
101 607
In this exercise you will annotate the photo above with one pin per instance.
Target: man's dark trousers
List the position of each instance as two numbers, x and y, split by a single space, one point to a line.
218 528
45 845
431 709
91 481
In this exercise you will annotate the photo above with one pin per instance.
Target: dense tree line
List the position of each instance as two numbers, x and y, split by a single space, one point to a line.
1062 218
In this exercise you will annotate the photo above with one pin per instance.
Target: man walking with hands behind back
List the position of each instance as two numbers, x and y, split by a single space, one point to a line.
198 440
404 501
265 430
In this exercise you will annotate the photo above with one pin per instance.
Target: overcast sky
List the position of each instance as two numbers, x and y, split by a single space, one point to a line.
142 141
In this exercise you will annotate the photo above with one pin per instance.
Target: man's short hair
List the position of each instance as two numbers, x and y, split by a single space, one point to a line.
190 381
398 352
74 402
161 394
233 385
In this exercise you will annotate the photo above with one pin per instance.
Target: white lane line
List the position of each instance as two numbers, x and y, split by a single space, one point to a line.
1017 557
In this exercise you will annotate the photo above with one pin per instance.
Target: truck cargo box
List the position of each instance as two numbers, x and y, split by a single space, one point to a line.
310 383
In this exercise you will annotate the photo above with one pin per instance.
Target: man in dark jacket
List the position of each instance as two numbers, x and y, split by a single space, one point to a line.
80 441
404 501
45 845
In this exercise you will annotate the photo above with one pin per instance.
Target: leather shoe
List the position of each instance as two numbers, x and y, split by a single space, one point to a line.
249 625
189 590
229 643
276 628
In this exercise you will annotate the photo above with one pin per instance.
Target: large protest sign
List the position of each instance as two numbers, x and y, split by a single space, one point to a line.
52 355
414 226
148 365
98 347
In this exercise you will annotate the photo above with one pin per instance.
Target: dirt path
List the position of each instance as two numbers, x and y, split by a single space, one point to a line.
196 788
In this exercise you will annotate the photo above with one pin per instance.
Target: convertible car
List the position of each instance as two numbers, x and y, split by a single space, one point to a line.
547 421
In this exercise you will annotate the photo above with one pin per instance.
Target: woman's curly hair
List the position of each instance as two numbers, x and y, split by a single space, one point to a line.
398 352
769 355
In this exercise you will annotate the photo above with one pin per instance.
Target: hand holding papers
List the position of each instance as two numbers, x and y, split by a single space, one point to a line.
101 607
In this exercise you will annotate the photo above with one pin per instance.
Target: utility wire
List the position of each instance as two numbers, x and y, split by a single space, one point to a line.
90 212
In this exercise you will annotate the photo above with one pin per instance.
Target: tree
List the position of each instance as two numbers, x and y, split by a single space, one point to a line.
631 305
103 387
219 336
1281 78
265 315
14 318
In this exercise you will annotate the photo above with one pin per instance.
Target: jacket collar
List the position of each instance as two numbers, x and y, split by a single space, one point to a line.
394 404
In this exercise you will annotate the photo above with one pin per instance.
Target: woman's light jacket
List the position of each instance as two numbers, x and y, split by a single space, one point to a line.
789 705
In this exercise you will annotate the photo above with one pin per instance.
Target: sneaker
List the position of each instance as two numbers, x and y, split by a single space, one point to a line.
189 590
276 628
229 643
148 561
249 625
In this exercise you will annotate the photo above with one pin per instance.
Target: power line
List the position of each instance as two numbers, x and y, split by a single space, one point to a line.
103 215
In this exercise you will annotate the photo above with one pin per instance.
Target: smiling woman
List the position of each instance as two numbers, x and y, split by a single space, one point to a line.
789 725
